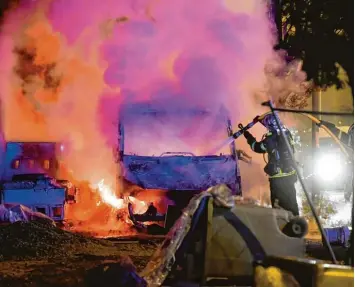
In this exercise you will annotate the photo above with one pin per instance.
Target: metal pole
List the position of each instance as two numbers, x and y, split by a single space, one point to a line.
351 247
315 143
314 112
325 240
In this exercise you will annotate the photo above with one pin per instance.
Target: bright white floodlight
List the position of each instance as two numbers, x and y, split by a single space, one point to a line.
329 167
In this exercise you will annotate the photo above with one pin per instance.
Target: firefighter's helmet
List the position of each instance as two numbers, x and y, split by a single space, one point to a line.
269 121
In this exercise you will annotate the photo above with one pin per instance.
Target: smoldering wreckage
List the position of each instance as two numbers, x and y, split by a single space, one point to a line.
212 238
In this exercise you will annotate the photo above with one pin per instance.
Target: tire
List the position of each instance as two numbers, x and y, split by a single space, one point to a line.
297 228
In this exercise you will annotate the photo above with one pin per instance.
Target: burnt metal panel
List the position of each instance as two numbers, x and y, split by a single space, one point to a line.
31 157
180 172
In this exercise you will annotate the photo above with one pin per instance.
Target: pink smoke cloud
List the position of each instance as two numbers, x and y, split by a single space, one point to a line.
177 54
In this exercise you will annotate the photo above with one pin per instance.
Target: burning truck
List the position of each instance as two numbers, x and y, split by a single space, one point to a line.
150 161
29 177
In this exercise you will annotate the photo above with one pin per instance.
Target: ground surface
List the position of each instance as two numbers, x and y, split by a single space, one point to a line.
39 254
36 254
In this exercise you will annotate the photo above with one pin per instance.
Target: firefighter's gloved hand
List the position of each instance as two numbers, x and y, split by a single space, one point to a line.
256 119
247 135
250 138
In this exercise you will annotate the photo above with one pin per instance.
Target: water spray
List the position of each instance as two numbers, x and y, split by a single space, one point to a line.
238 133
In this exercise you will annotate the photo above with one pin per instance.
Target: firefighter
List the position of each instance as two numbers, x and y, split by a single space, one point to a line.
279 167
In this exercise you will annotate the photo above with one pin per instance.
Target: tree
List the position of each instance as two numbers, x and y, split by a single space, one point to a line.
321 33
324 208
286 82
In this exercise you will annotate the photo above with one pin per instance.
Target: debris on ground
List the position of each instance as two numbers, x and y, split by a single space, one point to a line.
122 273
10 213
40 254
37 253
40 239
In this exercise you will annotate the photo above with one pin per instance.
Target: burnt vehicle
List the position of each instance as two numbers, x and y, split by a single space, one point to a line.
29 177
165 149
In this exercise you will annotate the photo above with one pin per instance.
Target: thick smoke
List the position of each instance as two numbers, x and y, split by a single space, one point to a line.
69 68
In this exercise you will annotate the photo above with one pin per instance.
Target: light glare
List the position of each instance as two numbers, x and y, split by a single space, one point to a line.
328 167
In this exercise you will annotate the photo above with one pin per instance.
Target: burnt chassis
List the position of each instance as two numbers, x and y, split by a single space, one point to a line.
168 171
52 195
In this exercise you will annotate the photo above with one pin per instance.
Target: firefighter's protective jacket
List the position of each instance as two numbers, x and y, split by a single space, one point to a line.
279 159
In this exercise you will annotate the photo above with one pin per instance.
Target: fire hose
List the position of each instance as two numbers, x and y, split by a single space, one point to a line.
328 131
242 129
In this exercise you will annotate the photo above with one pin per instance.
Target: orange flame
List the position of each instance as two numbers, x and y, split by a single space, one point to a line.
139 206
108 196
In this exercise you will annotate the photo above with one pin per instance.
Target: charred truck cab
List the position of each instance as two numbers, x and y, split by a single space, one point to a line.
29 172
181 173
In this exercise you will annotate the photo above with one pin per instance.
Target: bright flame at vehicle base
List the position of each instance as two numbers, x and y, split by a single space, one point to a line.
108 196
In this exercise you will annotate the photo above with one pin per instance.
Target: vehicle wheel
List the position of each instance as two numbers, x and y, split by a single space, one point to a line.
297 227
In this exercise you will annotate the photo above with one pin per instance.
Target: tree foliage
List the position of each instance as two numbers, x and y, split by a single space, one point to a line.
321 33
286 82
324 208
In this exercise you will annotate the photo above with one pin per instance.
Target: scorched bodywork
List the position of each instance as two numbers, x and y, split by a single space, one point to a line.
29 171
176 170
